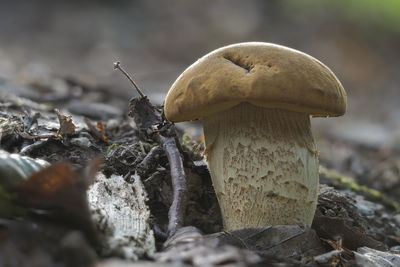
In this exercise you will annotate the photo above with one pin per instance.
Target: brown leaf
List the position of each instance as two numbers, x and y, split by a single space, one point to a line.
279 243
282 240
67 127
101 127
335 227
48 183
98 130
60 191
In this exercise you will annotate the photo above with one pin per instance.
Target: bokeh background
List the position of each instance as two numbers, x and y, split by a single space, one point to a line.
156 40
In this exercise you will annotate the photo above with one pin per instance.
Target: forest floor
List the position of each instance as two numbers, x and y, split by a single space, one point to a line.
100 156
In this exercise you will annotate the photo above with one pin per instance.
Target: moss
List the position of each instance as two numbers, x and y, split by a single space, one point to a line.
7 208
111 147
193 147
186 139
347 182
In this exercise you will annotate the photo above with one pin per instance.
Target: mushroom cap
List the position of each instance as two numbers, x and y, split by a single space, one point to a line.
263 74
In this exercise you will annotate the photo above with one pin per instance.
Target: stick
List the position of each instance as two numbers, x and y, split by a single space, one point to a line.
117 65
151 121
177 209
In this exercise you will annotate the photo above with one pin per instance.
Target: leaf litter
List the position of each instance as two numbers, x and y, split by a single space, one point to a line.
58 207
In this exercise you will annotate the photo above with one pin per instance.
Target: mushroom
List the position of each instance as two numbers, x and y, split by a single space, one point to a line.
255 100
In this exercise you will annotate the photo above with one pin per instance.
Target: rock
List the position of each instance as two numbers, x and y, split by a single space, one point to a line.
395 248
94 110
327 257
122 263
81 141
369 257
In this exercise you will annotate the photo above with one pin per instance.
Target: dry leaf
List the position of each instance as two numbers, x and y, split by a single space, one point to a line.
98 130
67 127
60 193
335 227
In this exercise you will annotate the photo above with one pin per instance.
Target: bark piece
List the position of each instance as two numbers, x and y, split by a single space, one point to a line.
121 215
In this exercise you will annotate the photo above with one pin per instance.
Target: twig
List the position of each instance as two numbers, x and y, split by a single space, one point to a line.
178 178
39 136
151 121
117 65
27 150
159 233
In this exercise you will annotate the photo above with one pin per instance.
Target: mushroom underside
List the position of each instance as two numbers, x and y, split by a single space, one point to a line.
264 166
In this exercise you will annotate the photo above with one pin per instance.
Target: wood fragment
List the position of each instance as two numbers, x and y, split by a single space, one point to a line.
121 216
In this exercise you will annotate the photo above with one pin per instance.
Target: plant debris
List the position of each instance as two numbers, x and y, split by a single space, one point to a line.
138 209
67 127
151 121
122 217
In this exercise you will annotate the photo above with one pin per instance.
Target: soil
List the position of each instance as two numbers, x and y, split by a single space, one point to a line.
350 213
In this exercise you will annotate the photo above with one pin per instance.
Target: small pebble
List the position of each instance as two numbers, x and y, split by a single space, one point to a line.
81 141
94 110
395 248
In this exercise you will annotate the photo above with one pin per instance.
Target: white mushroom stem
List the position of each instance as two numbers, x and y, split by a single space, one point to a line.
264 166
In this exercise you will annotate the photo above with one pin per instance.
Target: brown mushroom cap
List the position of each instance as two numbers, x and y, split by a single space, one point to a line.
262 74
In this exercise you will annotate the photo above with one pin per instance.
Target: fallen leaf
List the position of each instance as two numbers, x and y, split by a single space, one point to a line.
336 227
98 130
67 127
261 245
59 192
282 240
101 127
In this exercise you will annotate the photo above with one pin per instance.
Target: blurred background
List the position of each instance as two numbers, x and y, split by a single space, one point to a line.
156 40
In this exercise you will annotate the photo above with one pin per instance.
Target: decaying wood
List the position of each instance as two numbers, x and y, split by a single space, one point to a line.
121 216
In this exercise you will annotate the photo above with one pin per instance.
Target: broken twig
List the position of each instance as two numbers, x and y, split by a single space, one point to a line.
151 121
117 65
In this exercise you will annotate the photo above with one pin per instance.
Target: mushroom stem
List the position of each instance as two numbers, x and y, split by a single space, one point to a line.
263 164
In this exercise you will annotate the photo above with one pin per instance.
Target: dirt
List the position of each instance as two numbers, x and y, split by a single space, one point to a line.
347 217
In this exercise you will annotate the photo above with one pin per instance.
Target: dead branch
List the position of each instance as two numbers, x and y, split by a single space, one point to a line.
151 121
